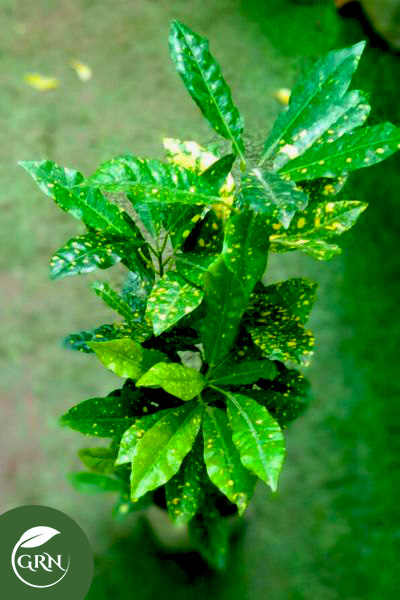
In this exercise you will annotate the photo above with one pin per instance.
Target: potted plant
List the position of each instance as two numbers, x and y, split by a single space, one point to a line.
208 353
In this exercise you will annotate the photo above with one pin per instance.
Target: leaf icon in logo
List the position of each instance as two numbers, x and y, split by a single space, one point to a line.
36 536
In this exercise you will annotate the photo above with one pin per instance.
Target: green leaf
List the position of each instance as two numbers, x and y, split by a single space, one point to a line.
193 267
222 460
176 379
99 460
355 109
89 205
184 491
224 304
203 80
85 253
286 397
280 336
124 506
180 220
309 230
135 290
258 438
245 248
151 181
217 173
315 104
160 452
243 373
207 236
270 195
132 436
171 299
322 189
125 357
318 249
355 150
46 173
209 533
105 333
297 295
93 483
101 417
113 300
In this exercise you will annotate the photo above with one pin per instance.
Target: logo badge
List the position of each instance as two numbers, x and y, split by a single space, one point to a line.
48 554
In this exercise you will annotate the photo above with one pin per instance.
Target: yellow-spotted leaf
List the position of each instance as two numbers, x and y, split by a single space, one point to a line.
245 249
280 336
354 150
315 105
171 298
160 451
113 299
243 373
125 357
296 294
320 222
203 80
222 459
85 253
257 437
46 173
184 492
176 379
132 436
224 305
105 333
151 181
272 196
102 417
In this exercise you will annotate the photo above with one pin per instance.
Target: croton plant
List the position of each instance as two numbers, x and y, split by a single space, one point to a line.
205 345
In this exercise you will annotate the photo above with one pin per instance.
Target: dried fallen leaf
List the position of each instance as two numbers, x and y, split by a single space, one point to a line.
83 71
41 83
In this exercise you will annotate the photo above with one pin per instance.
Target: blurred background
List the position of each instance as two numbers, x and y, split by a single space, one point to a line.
332 531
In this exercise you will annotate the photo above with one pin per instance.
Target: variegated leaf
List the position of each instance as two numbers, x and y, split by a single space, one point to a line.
223 463
176 379
170 300
203 80
258 438
160 452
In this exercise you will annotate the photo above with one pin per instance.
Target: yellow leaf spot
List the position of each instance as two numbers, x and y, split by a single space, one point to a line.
202 242
328 189
276 226
380 151
303 170
349 159
301 222
290 151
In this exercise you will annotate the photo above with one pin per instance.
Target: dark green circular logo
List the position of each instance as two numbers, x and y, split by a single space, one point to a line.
43 554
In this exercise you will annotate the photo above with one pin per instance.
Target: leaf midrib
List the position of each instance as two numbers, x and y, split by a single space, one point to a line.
163 450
